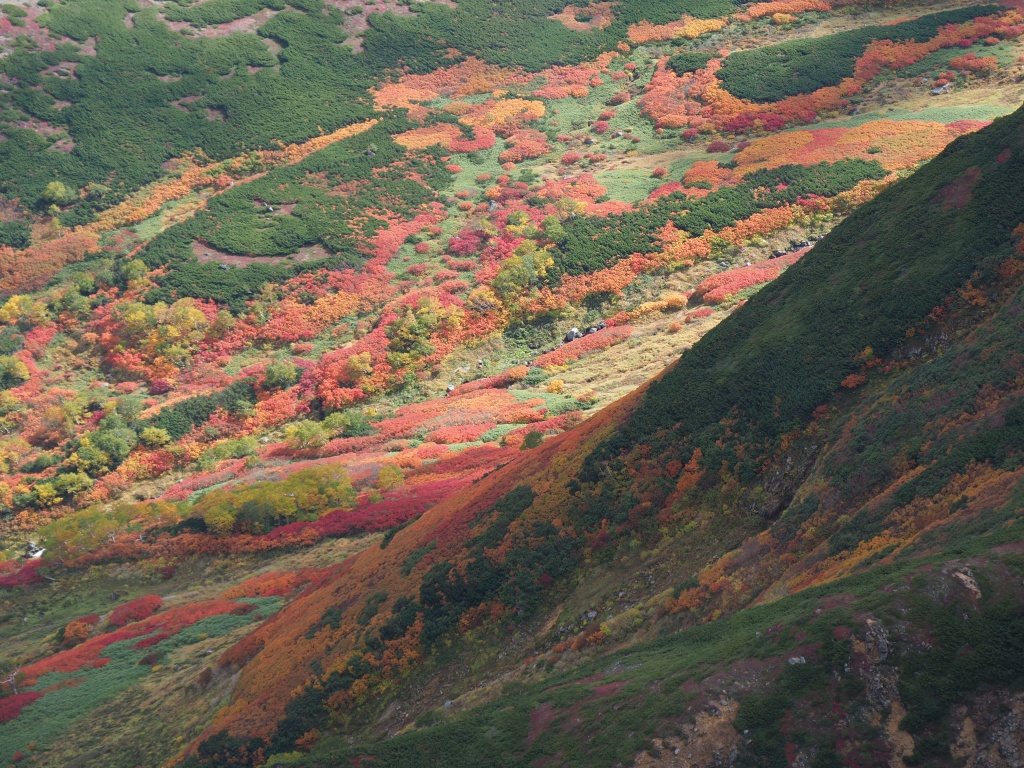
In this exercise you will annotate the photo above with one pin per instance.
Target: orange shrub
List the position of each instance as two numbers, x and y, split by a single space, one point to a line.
273 584
687 27
757 10
76 632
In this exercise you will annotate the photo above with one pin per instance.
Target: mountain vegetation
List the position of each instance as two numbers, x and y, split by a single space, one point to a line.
511 383
665 470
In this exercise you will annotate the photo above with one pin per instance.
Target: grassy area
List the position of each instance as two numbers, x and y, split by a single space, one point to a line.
630 185
938 114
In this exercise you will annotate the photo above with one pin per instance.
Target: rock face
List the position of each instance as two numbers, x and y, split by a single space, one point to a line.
991 731
710 742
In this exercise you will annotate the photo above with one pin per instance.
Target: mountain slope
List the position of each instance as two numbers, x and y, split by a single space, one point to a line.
862 409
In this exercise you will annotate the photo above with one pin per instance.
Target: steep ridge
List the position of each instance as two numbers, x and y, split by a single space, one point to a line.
860 415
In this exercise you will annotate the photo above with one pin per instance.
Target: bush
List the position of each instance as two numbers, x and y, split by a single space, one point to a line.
135 610
688 61
532 440
16 234
154 437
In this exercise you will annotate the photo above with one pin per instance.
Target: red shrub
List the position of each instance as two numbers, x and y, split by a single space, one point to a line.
25 576
405 503
718 288
719 146
853 381
444 274
242 652
575 349
462 265
11 706
466 242
697 314
90 653
136 610
971 62
465 433
503 379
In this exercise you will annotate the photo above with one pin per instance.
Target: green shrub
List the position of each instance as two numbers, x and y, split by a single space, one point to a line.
688 61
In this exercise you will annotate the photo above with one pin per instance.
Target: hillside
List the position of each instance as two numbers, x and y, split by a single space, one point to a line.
855 425
510 383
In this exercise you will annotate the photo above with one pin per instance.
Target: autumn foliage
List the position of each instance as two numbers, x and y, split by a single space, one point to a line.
136 610
718 288
590 343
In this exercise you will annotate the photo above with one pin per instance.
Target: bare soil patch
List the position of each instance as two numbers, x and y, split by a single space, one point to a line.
206 254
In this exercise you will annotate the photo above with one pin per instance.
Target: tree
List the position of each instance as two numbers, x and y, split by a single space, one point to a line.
553 229
13 372
62 487
390 476
279 375
90 458
307 434
57 193
219 520
358 367
525 269
10 673
348 424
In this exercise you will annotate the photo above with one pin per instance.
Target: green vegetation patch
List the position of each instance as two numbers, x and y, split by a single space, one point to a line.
802 66
689 61
592 243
